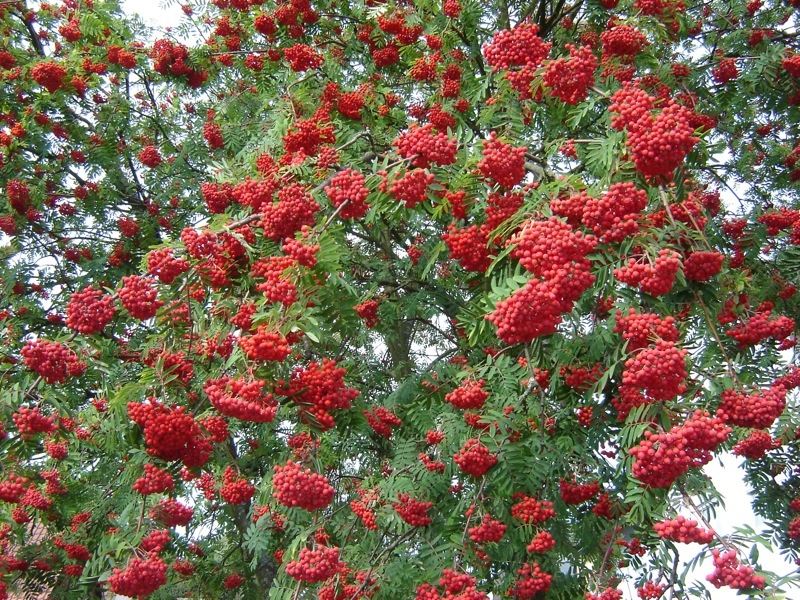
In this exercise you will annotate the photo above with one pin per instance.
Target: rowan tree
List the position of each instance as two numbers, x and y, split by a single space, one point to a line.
396 299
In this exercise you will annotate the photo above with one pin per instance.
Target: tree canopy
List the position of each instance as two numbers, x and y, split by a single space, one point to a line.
397 299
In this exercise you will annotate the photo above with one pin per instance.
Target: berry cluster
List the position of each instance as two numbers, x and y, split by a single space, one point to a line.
413 511
127 226
170 59
242 399
314 565
54 361
531 583
295 207
615 215
756 445
490 530
623 40
381 420
456 586
212 134
155 481
760 326
49 75
30 421
426 147
517 47
659 371
470 394
139 297
171 513
319 388
531 511
641 329
757 411
295 486
702 266
162 263
235 490
469 246
569 79
348 186
303 254
725 71
363 512
542 542
474 458
502 163
150 157
728 572
683 530
170 434
278 286
155 541
651 590
412 187
434 466
368 312
57 450
140 577
18 195
655 279
309 135
575 493
302 57
255 194
13 489
265 345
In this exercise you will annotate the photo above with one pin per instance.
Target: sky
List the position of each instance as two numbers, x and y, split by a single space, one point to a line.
723 471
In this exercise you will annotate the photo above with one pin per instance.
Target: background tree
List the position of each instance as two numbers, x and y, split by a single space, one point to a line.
396 299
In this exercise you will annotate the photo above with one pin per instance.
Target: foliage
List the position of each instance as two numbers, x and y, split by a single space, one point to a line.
396 299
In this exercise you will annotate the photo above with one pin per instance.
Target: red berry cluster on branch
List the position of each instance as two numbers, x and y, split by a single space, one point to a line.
651 590
13 489
427 148
413 511
412 187
155 541
295 486
517 47
150 157
659 371
140 578
252 193
278 286
304 254
139 297
542 542
760 326
578 493
235 490
319 388
302 57
162 263
171 513
55 362
702 266
490 530
30 421
615 215
170 434
295 207
348 186
241 398
50 75
728 572
683 530
470 394
656 279
725 71
170 59
758 410
756 445
531 583
474 458
502 163
642 329
623 40
155 481
469 246
569 79
265 345
314 565
532 511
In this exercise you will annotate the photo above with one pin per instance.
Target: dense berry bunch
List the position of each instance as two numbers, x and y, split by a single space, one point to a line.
150 157
171 513
319 388
569 79
303 254
18 195
363 512
683 530
265 345
295 486
49 75
517 47
140 578
545 247
252 193
760 326
615 215
162 263
348 186
212 133
30 421
659 371
528 313
757 411
242 399
139 297
651 591
412 187
314 565
302 57
413 511
235 490
623 40
89 311
756 445
655 279
728 572
474 458
427 148
57 450
502 163
155 481
54 361
381 420
702 266
368 312
155 541
469 246
278 286
295 207
531 511
725 71
490 530
531 583
575 493
170 434
542 542
13 489
469 394
642 329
